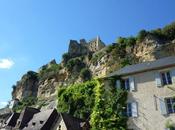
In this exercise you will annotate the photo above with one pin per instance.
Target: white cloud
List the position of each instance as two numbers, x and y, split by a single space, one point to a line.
3 104
6 63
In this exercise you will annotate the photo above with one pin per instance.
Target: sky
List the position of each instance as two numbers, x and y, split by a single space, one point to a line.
33 32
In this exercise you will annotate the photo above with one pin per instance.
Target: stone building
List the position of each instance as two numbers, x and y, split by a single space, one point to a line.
151 91
35 119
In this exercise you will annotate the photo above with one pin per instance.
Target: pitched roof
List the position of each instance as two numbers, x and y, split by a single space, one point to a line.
12 120
4 111
72 123
25 116
42 120
149 65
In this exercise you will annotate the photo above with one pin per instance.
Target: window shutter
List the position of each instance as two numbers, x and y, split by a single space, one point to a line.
163 108
158 80
173 76
132 84
118 84
134 109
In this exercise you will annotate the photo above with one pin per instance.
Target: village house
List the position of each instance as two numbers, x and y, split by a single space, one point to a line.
4 115
151 94
34 119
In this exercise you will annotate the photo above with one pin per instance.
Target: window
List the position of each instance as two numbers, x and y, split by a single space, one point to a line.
170 103
33 123
127 85
166 78
41 122
131 110
59 127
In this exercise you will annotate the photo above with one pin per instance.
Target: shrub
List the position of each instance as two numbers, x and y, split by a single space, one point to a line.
75 63
142 34
85 74
77 99
49 71
66 57
91 100
29 101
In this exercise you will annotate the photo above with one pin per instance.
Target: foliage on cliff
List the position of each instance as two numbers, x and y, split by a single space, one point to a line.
29 101
89 100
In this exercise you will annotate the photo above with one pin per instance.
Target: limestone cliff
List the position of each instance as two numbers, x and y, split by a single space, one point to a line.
85 60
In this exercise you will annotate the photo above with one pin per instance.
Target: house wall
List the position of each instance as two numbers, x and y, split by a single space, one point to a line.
149 112
59 122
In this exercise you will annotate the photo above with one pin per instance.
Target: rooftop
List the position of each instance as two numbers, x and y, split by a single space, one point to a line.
145 66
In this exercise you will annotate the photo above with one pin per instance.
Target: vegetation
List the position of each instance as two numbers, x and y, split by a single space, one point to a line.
29 101
66 57
75 63
91 100
77 99
170 125
85 74
95 58
49 71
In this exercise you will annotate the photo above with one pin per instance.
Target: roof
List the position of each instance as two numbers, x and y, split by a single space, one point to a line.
12 120
72 123
26 115
42 120
149 65
5 111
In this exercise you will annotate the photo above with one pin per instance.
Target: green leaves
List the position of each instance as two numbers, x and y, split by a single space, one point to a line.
91 99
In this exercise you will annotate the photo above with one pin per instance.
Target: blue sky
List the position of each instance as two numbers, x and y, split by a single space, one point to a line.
33 32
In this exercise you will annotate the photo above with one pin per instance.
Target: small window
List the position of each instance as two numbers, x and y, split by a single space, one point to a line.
129 110
41 122
59 127
19 123
166 78
33 123
170 103
127 85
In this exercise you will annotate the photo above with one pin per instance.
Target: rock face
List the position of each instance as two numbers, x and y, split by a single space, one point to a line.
26 87
83 48
93 56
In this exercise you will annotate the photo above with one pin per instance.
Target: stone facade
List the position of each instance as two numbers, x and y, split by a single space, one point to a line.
148 98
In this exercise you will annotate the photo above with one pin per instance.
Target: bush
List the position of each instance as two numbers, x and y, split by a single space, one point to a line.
29 101
77 99
85 74
142 34
66 57
75 63
49 71
91 100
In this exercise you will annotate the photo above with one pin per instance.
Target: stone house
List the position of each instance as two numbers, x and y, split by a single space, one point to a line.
151 94
67 122
5 113
34 119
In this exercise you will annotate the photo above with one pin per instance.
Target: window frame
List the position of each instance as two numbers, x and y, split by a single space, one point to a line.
170 105
166 78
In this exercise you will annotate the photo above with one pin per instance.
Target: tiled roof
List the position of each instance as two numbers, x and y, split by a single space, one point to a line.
42 120
72 123
25 116
150 65
12 120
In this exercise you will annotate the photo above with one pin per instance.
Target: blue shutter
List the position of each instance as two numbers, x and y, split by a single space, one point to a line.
173 76
163 108
118 84
158 80
132 84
